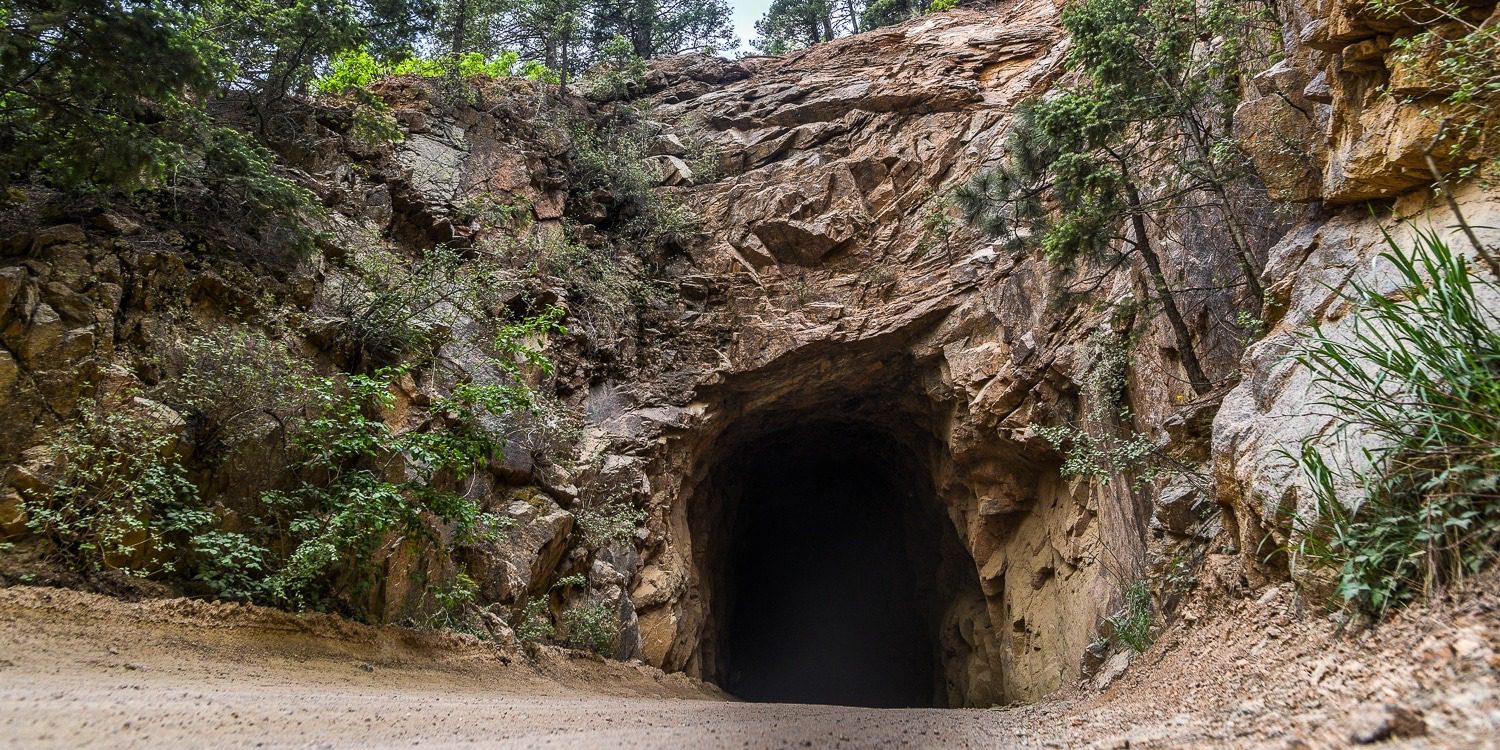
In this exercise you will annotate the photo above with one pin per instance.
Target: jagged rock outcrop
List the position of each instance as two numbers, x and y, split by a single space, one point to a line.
1345 98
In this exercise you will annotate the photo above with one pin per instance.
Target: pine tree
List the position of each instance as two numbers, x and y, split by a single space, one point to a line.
1152 100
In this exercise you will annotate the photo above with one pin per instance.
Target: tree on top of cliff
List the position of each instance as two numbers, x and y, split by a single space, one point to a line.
571 35
1143 133
656 28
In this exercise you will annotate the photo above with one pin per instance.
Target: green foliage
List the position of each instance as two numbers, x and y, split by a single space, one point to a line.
614 520
1098 449
393 308
577 579
939 6
230 381
357 69
94 93
591 626
361 490
609 165
619 72
1455 54
1156 85
275 46
1103 456
456 606
514 213
119 498
1153 90
1132 624
655 28
231 564
1414 387
793 24
347 516
373 123
535 624
104 96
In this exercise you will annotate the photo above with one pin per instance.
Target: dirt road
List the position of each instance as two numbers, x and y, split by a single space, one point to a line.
79 670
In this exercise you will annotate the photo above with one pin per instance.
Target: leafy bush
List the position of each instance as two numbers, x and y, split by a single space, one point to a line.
1415 388
356 69
591 626
119 498
614 520
359 491
347 516
393 308
1457 54
618 73
514 213
1096 448
228 379
456 607
535 624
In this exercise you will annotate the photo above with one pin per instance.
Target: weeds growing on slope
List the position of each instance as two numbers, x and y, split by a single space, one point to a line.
1418 377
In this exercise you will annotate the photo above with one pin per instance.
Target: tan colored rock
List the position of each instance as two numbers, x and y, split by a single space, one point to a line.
57 235
671 171
13 515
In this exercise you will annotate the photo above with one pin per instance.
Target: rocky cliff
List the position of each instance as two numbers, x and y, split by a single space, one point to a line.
825 311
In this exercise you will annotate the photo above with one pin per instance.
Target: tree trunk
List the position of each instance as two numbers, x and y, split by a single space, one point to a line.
1190 363
460 24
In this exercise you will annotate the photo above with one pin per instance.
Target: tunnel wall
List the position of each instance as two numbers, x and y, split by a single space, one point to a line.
1012 550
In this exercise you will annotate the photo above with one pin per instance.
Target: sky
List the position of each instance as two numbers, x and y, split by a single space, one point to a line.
746 13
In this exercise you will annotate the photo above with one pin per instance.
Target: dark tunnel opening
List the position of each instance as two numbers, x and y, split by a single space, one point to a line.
830 582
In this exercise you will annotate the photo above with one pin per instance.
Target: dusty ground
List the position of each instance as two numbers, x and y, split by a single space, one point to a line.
85 670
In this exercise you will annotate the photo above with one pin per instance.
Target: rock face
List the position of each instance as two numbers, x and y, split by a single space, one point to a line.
1344 97
847 313
1328 100
826 316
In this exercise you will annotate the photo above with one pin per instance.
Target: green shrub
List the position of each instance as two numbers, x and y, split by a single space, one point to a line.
591 626
1096 448
356 69
614 520
535 624
229 379
1414 388
619 72
1456 54
119 498
392 308
456 607
347 516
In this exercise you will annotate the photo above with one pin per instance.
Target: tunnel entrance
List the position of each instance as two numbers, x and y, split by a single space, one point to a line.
824 594
829 566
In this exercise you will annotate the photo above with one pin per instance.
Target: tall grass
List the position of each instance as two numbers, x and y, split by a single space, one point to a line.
1418 378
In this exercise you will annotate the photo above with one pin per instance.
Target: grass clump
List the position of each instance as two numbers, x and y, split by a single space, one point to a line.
1414 386
1131 626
